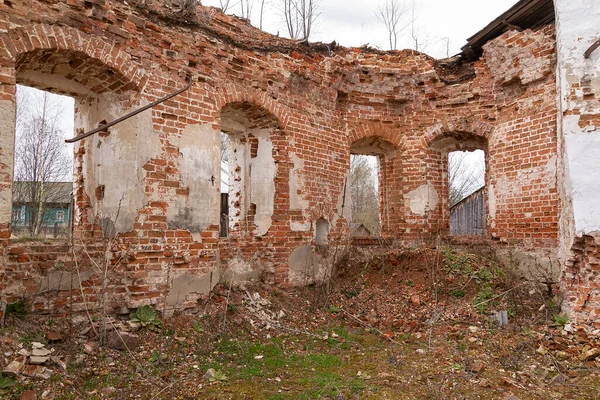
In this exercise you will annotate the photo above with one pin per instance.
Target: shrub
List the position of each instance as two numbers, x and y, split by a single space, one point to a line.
146 316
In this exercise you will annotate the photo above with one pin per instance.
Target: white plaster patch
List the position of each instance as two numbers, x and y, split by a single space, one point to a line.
492 205
116 161
200 168
583 158
262 187
423 199
297 202
7 144
186 284
239 270
299 226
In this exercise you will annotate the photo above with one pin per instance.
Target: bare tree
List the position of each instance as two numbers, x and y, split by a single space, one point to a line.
391 15
465 175
225 4
299 17
246 8
262 10
364 192
419 39
41 158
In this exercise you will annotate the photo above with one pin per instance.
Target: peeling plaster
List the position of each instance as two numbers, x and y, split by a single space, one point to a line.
492 205
297 202
200 168
579 90
59 83
262 186
7 144
63 280
583 157
510 187
239 271
116 160
300 226
423 199
186 284
305 266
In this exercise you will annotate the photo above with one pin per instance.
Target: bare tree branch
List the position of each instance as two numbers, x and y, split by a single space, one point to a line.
465 176
225 4
246 8
420 40
41 157
391 15
299 17
262 10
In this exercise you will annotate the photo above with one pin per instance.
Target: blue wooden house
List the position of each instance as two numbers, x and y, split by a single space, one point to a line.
56 207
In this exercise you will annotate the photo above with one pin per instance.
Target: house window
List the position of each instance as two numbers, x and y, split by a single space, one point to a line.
18 215
60 216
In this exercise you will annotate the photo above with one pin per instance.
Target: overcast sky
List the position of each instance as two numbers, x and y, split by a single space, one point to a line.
354 23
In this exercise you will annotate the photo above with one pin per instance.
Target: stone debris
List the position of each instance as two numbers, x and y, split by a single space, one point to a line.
36 360
28 395
41 352
24 352
37 371
58 361
14 368
90 348
121 340
210 374
53 336
475 367
590 354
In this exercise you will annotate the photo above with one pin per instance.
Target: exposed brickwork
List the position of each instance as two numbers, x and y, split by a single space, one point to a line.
315 107
581 283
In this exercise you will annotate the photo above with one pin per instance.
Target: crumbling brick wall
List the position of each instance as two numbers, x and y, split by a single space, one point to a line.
149 186
579 157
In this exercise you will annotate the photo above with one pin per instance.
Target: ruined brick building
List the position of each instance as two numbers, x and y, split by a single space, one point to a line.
522 91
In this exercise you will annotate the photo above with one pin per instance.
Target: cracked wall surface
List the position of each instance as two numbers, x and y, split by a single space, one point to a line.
294 114
579 157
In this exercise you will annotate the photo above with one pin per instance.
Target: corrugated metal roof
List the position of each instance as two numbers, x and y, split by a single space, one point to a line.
526 14
58 192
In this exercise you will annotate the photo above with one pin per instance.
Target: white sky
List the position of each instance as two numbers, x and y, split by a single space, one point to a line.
353 22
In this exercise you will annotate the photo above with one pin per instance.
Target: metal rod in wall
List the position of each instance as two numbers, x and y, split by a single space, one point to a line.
131 114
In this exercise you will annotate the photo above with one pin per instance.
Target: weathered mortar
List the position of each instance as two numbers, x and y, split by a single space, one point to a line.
300 111
579 157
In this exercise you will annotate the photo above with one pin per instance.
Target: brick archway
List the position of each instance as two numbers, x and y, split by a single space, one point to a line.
471 128
232 93
365 130
40 40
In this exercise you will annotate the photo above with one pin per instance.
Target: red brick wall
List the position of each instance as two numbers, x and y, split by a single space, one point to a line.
580 284
320 105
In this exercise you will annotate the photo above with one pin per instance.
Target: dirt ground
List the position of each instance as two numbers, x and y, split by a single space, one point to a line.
405 324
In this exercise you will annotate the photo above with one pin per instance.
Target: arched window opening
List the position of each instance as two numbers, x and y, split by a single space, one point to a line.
367 184
43 173
364 192
463 169
466 189
248 169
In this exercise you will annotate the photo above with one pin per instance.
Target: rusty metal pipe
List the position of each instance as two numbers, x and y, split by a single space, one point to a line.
591 49
125 117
